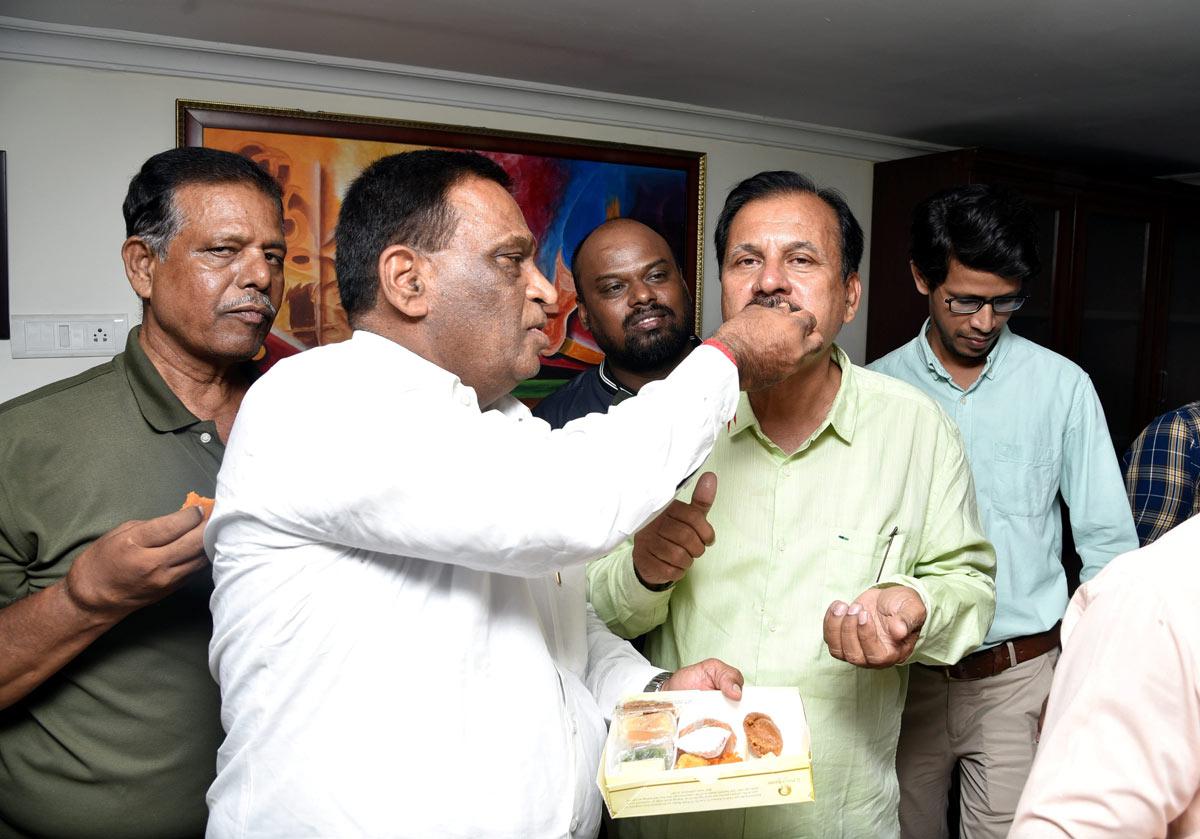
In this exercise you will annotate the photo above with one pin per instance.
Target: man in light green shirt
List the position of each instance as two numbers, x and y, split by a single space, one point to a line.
846 535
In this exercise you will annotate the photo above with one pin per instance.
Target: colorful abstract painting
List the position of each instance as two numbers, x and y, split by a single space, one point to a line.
564 187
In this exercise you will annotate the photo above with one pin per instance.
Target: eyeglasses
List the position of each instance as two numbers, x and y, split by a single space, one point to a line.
1000 305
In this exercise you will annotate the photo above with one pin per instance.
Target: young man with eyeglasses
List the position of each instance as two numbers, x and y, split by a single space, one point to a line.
1033 430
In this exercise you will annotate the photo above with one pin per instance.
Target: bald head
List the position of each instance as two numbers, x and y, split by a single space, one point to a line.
632 297
596 253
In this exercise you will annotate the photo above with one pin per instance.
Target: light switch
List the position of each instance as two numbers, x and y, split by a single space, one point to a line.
61 336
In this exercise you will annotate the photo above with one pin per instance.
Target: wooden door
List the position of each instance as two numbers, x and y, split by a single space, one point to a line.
1177 364
1116 262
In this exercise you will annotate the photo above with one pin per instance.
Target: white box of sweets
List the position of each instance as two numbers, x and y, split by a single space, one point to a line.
688 751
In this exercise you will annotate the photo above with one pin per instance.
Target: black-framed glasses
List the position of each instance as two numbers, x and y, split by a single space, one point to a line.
1000 305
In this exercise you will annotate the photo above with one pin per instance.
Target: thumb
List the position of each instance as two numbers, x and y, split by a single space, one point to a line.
729 681
807 318
156 532
705 492
908 614
812 340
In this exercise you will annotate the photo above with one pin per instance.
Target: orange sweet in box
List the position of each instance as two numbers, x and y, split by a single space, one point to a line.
195 499
688 761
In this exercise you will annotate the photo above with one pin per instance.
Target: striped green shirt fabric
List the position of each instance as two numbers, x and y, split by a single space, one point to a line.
795 532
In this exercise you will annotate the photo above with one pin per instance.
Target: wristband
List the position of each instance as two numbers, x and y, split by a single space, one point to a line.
655 587
715 344
656 684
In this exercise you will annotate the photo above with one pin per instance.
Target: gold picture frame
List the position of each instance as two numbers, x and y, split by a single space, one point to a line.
565 188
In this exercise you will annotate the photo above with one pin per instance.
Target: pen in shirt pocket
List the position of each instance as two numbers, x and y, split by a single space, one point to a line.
891 537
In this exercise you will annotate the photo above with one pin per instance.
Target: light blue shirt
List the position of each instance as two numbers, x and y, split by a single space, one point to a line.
1034 430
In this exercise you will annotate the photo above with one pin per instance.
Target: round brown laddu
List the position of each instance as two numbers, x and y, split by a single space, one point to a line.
762 735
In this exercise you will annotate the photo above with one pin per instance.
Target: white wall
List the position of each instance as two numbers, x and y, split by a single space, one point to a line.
75 135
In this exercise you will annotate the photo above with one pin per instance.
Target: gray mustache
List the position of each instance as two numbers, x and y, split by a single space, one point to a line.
253 299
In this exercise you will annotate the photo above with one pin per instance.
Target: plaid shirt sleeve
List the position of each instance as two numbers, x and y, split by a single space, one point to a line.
1162 472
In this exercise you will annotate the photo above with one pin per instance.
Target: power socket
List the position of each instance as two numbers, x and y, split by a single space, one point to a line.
64 336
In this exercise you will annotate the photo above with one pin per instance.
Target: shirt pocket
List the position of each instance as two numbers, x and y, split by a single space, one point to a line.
1025 478
853 559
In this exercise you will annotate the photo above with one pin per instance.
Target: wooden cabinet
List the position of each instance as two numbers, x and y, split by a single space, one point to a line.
1179 362
1119 291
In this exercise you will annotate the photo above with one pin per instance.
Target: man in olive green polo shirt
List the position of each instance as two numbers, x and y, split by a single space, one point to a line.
109 718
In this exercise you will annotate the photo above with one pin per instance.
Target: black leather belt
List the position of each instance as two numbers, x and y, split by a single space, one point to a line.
1004 655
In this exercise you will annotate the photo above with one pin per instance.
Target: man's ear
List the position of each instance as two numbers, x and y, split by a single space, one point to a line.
581 308
922 283
140 261
853 297
403 280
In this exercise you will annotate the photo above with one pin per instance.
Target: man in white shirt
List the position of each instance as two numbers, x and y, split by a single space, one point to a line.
400 628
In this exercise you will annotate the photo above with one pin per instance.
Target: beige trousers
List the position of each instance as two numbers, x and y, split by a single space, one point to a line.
988 727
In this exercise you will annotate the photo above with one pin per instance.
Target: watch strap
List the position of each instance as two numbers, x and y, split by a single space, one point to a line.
656 684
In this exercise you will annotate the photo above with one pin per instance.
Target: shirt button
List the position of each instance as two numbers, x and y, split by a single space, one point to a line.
787 472
574 825
781 547
205 437
962 401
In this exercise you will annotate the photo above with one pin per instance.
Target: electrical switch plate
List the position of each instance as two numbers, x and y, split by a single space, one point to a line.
64 336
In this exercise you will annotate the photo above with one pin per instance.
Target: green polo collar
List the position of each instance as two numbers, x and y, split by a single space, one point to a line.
158 403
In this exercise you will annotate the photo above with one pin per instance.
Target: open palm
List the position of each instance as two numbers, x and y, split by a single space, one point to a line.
879 629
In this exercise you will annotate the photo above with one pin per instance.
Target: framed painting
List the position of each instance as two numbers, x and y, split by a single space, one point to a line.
565 188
